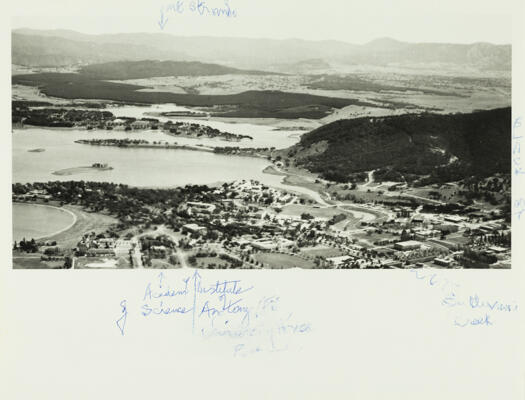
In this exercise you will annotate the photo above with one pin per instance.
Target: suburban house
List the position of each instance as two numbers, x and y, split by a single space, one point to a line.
140 125
194 228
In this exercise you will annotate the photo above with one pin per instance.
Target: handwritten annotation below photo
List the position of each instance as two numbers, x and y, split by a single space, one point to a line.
227 309
470 310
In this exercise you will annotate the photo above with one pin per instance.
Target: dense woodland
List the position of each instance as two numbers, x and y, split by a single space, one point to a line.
58 117
120 70
253 103
431 147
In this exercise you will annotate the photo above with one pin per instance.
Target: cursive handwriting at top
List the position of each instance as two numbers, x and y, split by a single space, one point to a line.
196 7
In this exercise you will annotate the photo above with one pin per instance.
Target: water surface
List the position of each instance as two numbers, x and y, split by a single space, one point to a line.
137 167
36 221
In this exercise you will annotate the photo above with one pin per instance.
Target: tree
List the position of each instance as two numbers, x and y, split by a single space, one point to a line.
51 251
68 262
306 216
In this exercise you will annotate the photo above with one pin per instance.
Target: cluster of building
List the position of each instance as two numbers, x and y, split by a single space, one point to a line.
408 237
247 217
125 123
93 246
423 235
34 194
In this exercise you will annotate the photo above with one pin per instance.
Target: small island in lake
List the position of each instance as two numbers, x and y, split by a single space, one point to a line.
141 143
195 131
36 150
192 114
78 170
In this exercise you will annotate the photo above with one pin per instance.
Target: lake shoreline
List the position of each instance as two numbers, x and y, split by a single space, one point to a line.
62 209
149 146
78 170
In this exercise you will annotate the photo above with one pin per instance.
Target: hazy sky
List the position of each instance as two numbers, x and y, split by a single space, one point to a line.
356 21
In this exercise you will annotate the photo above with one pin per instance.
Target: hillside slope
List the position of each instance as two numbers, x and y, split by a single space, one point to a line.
51 51
440 147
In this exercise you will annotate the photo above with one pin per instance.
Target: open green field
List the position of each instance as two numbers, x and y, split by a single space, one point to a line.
212 262
457 239
360 195
281 261
321 251
82 262
297 180
353 82
33 262
162 264
86 222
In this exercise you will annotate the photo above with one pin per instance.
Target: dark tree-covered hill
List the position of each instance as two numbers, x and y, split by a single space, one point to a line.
446 147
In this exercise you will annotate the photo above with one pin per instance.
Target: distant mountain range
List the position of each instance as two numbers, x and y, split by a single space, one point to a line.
62 48
440 148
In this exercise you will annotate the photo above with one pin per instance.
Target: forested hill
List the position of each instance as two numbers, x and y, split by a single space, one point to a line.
440 147
150 68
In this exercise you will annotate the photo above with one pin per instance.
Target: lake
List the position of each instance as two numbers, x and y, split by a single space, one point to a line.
132 166
148 167
36 221
264 135
144 167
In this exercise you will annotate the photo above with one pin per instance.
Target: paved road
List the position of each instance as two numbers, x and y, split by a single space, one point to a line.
370 178
182 258
422 198
136 256
301 189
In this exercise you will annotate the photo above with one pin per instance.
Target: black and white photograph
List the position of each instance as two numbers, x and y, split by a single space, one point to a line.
263 200
160 150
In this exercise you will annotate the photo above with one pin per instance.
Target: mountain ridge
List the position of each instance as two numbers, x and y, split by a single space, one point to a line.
35 47
89 36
